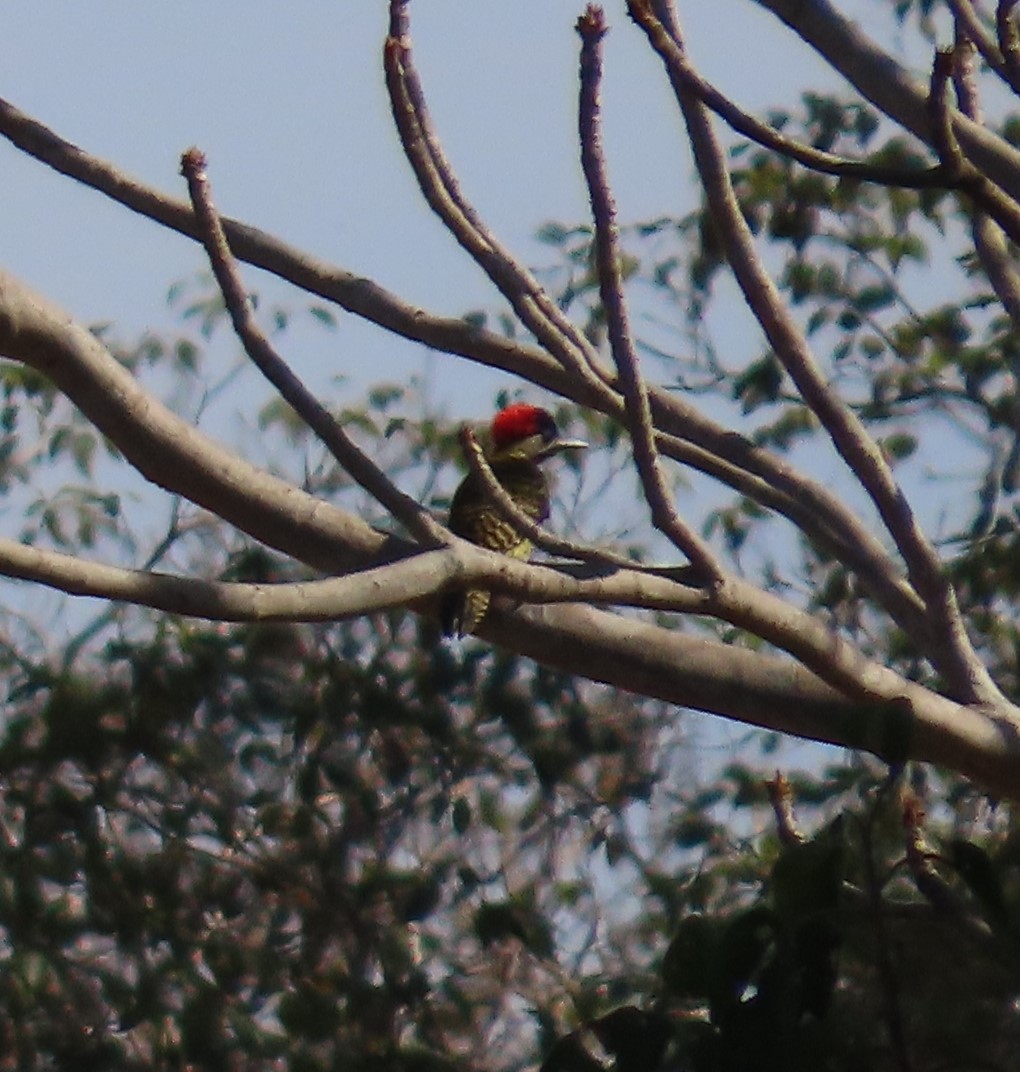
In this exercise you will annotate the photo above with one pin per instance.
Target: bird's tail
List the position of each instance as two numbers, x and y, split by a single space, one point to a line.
462 612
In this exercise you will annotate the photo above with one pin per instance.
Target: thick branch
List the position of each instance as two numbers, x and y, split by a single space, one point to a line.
762 690
169 452
179 458
751 686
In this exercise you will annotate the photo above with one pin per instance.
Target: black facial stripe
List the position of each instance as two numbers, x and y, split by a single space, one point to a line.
547 428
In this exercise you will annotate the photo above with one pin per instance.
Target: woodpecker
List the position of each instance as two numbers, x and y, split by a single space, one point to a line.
519 438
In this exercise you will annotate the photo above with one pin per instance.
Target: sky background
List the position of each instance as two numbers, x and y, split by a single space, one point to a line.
289 105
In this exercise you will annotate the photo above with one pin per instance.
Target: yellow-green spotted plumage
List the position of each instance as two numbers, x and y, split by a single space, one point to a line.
519 438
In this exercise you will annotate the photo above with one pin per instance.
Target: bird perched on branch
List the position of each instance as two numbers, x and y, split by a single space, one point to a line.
519 438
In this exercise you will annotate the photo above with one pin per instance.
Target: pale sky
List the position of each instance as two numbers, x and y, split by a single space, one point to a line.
289 105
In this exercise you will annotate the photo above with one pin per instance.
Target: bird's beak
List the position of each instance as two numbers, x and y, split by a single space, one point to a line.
557 446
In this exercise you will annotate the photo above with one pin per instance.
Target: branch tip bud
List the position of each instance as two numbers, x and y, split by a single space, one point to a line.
593 22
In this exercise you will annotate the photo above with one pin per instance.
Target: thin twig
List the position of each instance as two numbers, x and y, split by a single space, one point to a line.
781 799
591 27
354 461
952 649
1005 26
441 189
971 28
641 657
815 159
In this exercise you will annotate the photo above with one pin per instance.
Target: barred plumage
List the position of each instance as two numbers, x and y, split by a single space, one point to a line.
519 438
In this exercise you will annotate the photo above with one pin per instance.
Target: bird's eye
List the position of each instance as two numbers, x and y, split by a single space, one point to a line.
547 428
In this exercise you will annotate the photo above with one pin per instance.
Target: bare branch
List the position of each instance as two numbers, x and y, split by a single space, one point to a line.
542 316
305 601
989 240
1005 25
179 458
607 648
964 81
685 669
354 461
971 28
358 295
170 452
880 79
751 686
396 582
945 143
816 159
953 652
991 247
687 435
591 27
989 197
732 600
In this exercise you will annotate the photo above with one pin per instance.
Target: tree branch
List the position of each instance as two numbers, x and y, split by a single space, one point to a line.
415 518
880 79
952 651
591 26
171 453
989 197
970 26
807 155
762 690
686 435
1005 25
750 686
536 310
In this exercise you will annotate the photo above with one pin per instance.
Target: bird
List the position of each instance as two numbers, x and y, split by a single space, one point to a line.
515 444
